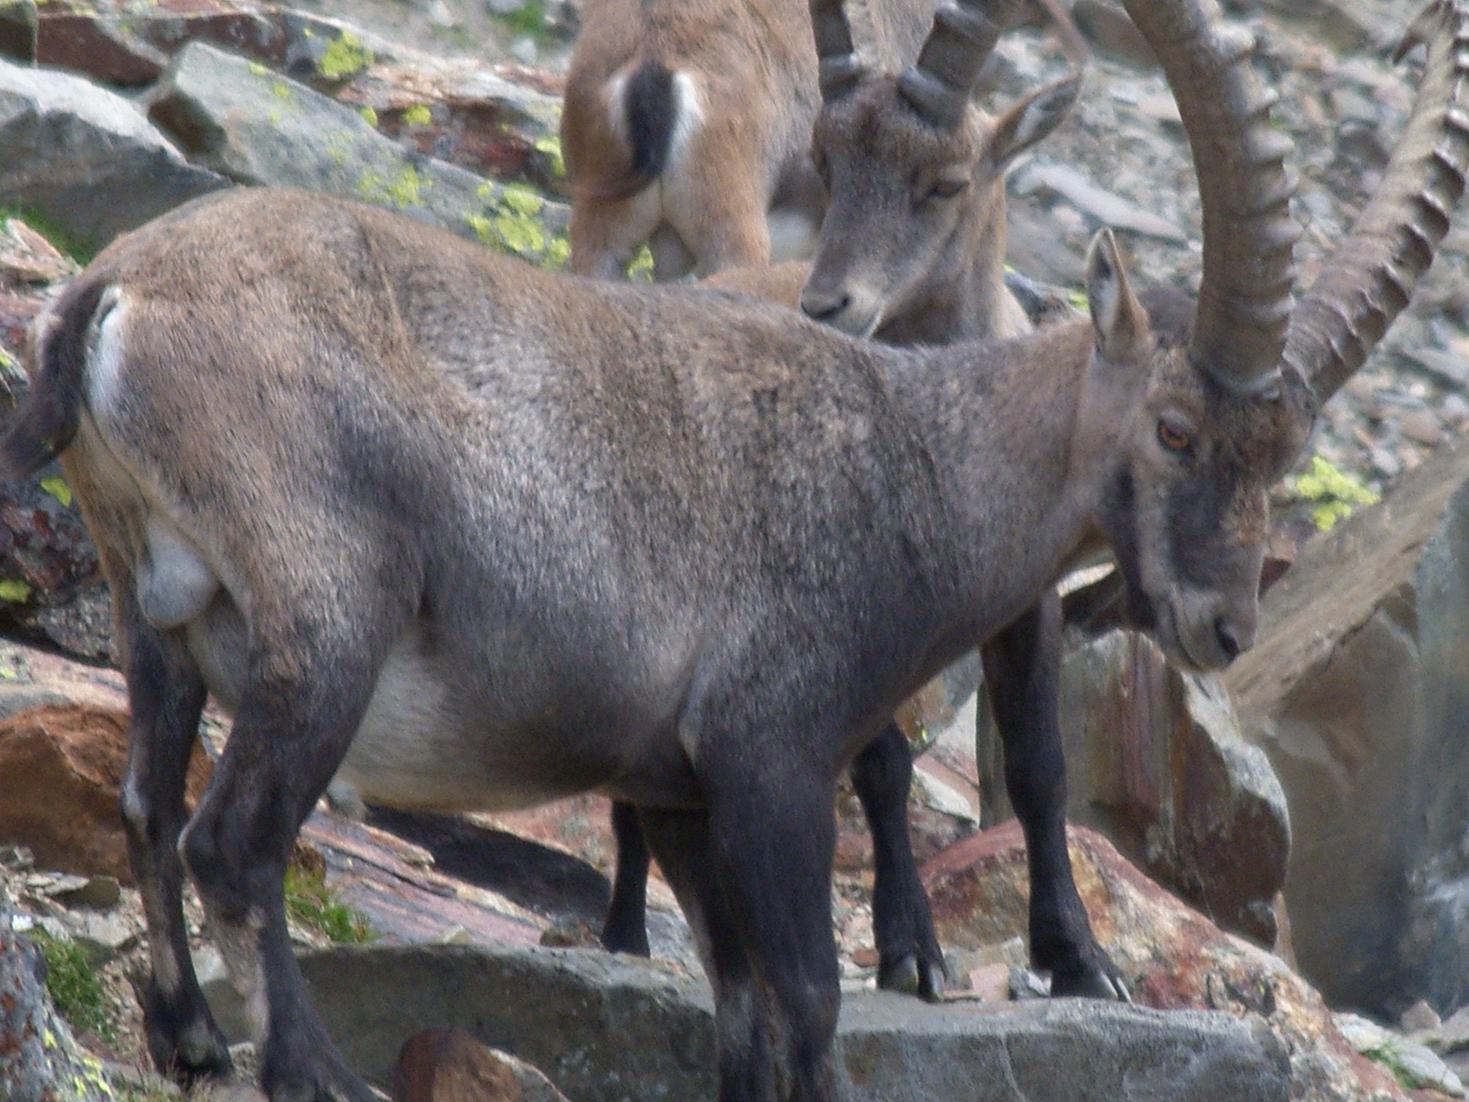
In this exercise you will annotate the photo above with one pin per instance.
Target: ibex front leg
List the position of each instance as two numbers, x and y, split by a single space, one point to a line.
167 697
1022 670
626 927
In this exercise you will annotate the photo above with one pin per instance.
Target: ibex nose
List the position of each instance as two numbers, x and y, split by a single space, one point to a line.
1234 639
824 305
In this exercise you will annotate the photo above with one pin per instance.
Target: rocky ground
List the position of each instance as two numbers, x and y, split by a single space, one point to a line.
448 110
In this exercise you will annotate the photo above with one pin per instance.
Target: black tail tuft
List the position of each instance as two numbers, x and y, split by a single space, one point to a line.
651 109
48 417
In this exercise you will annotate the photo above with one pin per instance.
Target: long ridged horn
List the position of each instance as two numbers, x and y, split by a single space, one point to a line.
838 66
1371 275
938 84
1245 299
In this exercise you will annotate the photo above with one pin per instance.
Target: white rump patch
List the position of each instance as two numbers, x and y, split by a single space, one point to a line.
175 585
688 114
104 353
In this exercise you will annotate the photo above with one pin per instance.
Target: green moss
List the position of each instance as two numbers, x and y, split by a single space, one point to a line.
511 223
1389 1056
344 57
369 116
1331 494
311 903
550 147
402 188
259 70
56 486
14 590
73 985
417 115
641 268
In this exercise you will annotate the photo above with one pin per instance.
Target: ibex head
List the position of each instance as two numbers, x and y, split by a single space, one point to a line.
1190 412
914 170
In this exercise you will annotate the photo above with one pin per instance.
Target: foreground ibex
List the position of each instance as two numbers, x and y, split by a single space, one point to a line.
482 536
687 126
913 251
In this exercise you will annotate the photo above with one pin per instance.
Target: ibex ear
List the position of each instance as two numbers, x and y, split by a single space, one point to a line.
1117 317
1032 119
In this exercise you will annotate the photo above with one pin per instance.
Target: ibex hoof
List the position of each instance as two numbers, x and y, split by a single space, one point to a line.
907 975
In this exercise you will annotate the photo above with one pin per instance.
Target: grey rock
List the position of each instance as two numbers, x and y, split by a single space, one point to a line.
1419 1017
67 142
1156 761
606 1028
225 1003
257 127
102 936
98 892
1415 1064
1358 690
1106 207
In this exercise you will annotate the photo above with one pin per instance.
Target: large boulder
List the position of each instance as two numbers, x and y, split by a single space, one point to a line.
609 1029
1156 761
67 142
62 768
1358 690
258 127
1171 956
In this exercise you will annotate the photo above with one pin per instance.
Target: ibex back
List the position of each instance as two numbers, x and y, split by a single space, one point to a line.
662 543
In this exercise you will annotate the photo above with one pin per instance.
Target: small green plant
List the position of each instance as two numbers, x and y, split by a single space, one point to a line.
1389 1056
1331 494
311 903
73 985
14 590
417 115
529 20
60 239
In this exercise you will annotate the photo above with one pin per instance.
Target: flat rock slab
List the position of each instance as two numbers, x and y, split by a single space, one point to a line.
609 1029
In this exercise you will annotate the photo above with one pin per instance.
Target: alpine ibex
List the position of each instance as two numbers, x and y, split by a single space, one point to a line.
687 126
480 535
912 251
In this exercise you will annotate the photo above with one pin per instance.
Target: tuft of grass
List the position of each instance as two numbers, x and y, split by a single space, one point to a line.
61 240
311 903
73 986
1389 1057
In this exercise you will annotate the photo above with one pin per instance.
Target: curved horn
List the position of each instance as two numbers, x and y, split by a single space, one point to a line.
938 84
838 67
1371 275
1245 298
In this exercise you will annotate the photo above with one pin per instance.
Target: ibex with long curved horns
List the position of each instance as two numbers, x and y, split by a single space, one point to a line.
913 251
479 535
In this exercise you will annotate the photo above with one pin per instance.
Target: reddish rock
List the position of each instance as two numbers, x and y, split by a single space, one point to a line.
105 49
61 771
1171 956
450 1065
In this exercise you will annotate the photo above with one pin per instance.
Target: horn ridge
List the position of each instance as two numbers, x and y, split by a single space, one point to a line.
937 86
1371 276
838 67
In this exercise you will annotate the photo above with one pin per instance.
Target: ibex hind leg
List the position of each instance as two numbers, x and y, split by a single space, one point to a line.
626 927
1022 672
309 680
909 957
166 694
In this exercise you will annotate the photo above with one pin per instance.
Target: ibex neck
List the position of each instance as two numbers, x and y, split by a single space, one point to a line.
998 420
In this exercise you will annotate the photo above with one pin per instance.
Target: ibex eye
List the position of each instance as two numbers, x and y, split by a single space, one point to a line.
1174 439
946 189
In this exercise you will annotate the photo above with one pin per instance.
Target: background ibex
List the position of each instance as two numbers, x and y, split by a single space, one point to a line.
687 126
913 250
606 533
